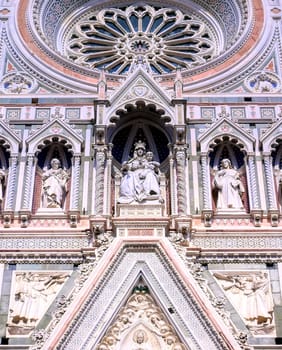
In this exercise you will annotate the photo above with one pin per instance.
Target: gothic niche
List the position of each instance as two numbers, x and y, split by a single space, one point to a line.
228 177
140 325
52 179
277 169
141 160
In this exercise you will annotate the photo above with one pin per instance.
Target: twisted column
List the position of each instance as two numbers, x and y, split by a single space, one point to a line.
75 182
28 183
253 182
180 157
11 186
100 169
269 182
205 183
108 180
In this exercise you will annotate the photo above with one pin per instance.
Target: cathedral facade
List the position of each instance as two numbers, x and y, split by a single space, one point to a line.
140 175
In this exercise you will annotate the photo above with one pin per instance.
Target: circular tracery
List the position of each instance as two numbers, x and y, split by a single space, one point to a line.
162 39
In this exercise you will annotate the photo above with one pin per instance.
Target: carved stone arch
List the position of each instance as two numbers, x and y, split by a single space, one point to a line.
10 144
222 130
60 132
196 322
132 128
271 142
137 105
225 134
55 132
10 141
140 90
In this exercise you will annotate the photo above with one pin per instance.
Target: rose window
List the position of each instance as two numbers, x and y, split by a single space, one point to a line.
161 39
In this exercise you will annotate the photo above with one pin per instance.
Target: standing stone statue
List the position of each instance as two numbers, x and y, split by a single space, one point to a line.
54 185
229 187
140 181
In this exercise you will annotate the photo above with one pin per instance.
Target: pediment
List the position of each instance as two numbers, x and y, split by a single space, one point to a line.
140 87
57 129
270 135
11 138
226 127
110 288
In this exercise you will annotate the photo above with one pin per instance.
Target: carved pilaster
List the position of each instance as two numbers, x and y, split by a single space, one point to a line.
27 200
11 186
172 182
205 183
108 179
272 204
269 182
207 212
253 183
180 157
253 192
100 155
75 182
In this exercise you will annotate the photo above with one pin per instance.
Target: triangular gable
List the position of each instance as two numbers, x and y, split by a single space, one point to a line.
7 134
108 288
140 87
222 127
268 138
55 127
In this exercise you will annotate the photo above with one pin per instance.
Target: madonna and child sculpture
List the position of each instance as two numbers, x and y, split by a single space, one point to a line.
140 177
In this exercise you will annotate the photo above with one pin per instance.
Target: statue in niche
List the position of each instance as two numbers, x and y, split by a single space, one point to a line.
251 295
141 177
229 187
54 185
32 295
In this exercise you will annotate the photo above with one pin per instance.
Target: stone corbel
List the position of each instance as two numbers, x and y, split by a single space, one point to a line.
73 218
8 217
185 232
207 216
273 217
100 132
180 134
25 217
257 217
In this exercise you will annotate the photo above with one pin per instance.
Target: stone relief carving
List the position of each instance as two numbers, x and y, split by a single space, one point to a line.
54 185
141 325
141 177
32 293
263 82
17 83
229 187
250 294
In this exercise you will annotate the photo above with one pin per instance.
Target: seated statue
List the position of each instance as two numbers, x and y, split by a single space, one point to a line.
229 187
140 181
54 185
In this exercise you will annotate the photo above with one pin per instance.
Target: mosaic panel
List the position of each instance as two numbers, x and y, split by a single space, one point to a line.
207 112
238 113
267 112
42 113
72 113
13 113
